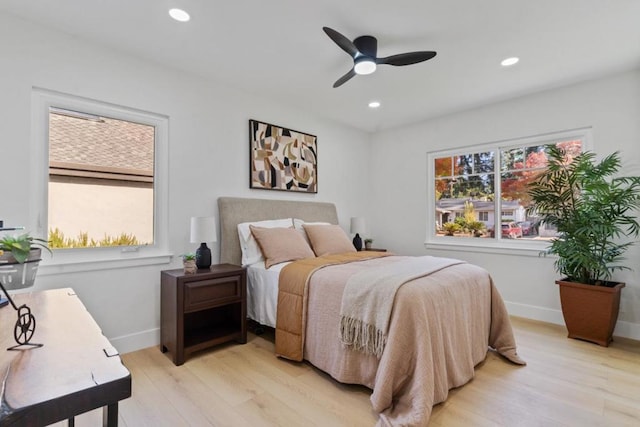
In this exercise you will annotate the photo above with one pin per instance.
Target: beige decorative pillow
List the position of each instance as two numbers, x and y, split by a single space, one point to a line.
297 224
251 252
328 239
281 244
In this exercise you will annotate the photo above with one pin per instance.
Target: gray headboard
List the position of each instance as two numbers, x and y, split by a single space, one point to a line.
235 210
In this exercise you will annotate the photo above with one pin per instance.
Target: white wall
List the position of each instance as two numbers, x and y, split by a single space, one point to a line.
611 106
208 153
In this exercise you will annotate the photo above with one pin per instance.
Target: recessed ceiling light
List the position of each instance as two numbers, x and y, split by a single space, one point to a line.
510 61
179 15
374 104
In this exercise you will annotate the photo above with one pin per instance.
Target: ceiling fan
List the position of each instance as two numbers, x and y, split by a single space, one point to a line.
363 51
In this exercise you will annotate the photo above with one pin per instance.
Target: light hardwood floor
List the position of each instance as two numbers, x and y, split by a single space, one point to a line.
565 383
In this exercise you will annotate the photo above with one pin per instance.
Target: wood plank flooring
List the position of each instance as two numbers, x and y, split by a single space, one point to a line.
566 383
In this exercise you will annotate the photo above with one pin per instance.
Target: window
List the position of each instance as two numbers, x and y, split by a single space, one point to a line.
101 172
468 187
101 179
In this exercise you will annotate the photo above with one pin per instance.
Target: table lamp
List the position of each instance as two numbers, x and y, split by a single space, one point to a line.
357 226
203 230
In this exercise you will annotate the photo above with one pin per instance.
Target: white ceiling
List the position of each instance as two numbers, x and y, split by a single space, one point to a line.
277 49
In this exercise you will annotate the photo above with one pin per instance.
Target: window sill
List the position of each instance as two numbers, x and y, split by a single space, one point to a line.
501 247
49 267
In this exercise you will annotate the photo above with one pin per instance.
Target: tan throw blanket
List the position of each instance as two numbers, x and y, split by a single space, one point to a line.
441 327
293 282
368 300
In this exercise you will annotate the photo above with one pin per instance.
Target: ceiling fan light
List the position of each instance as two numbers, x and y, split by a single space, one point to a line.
364 66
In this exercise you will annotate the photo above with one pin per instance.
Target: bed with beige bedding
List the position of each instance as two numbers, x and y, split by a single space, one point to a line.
441 324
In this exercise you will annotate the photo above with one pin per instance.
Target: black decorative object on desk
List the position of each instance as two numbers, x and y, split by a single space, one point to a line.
18 268
25 325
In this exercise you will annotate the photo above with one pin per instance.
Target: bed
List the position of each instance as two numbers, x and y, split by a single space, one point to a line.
441 326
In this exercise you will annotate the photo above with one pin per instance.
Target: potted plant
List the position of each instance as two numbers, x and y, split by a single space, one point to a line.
19 260
189 263
593 211
367 243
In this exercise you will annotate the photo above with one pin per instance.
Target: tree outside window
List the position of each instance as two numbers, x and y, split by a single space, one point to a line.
465 186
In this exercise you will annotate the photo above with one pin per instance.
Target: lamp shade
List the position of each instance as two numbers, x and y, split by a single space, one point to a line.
358 225
203 229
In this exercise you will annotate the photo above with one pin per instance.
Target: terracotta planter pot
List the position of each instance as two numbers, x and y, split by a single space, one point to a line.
14 275
590 312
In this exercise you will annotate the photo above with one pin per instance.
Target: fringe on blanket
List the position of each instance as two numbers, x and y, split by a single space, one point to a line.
362 336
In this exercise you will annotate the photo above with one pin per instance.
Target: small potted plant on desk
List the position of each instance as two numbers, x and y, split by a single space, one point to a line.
593 211
19 259
367 243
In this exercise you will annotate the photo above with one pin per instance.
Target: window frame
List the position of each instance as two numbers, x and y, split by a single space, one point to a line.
496 244
88 259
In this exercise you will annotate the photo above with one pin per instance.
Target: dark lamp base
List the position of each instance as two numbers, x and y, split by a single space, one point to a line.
203 257
357 242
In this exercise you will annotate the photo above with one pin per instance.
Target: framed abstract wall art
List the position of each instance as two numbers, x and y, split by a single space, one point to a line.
282 159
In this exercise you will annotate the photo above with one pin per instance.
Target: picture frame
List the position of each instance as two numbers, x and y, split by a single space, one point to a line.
282 159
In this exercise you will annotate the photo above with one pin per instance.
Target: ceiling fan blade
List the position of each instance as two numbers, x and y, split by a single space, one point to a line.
342 80
344 43
406 58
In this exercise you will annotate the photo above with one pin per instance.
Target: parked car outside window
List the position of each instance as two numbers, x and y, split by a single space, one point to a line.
528 228
511 230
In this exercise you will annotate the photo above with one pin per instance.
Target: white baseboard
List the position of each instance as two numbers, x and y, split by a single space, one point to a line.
137 341
627 330
623 329
534 312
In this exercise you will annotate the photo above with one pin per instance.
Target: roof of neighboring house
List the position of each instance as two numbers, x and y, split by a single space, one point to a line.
478 205
106 143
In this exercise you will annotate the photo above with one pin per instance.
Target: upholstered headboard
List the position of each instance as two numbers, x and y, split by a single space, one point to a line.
235 210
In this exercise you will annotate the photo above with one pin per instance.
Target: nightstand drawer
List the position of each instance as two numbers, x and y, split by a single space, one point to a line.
210 293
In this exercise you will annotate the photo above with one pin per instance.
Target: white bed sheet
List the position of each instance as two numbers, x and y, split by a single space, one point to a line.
262 292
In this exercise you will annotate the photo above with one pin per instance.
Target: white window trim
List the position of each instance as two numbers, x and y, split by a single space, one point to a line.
89 259
496 245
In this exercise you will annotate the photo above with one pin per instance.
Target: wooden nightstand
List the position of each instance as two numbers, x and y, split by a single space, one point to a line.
202 309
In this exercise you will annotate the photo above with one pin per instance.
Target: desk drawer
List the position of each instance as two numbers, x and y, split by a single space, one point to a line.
210 293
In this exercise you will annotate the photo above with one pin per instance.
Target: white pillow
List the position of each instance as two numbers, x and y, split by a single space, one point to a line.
297 223
251 252
328 239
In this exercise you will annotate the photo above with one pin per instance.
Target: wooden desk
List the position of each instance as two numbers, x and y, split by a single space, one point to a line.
71 374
